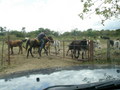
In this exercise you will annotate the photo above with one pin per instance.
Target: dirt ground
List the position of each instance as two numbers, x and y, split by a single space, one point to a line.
21 63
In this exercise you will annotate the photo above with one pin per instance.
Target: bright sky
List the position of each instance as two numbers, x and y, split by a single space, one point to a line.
57 15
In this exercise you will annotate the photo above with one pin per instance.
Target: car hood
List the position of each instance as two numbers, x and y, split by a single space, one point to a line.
40 79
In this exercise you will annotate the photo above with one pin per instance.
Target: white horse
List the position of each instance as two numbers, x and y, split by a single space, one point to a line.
117 44
56 46
97 44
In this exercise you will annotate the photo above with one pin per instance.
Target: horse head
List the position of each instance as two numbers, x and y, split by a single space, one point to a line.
7 42
51 39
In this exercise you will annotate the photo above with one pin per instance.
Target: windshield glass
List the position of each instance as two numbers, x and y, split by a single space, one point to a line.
73 76
58 42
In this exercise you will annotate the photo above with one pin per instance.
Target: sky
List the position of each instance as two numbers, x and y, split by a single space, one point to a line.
57 15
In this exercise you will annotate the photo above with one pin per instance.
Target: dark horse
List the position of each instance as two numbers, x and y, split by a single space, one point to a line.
34 43
76 46
15 43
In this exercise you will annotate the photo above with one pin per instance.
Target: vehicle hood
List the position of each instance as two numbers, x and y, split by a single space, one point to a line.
43 78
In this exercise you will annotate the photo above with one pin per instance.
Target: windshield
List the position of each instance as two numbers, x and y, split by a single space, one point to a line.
74 76
45 43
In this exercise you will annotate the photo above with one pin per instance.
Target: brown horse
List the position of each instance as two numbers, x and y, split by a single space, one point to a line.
15 43
34 43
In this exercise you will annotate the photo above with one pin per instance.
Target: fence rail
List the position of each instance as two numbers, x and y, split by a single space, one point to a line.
106 54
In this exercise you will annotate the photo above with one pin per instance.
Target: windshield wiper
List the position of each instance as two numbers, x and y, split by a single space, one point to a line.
109 85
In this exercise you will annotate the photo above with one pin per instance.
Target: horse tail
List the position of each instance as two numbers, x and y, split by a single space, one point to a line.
24 40
27 43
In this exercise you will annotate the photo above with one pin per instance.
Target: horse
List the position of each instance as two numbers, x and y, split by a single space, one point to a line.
115 44
35 43
81 45
76 46
96 44
56 45
15 43
104 37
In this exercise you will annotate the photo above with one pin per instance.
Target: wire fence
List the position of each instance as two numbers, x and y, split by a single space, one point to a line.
106 54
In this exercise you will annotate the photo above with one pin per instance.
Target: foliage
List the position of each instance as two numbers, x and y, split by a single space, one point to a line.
36 32
16 33
74 34
2 31
117 32
106 9
91 33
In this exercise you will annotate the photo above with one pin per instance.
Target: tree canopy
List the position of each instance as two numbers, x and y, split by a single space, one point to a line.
106 9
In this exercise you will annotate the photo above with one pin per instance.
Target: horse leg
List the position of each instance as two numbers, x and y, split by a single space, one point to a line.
55 50
68 52
78 53
34 50
58 49
11 50
82 55
39 51
46 51
72 54
28 52
19 50
31 52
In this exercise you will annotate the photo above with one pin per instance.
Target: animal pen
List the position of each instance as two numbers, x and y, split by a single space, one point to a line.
64 48
107 54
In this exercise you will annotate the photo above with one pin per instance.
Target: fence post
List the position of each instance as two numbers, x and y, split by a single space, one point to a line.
63 49
49 49
88 50
91 50
108 50
2 52
8 49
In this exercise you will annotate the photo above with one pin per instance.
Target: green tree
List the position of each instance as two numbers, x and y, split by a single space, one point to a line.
106 9
2 30
89 31
118 32
23 31
17 33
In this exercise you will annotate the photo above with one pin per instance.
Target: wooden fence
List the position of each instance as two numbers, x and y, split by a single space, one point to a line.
64 46
3 60
90 52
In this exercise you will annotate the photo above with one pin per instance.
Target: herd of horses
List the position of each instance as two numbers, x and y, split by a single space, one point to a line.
75 46
34 43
